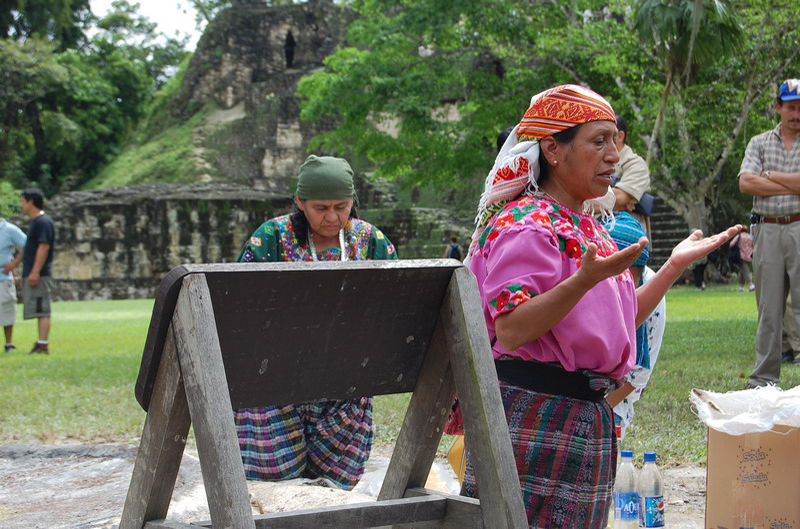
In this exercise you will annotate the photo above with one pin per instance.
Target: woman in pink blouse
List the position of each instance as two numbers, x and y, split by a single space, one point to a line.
560 306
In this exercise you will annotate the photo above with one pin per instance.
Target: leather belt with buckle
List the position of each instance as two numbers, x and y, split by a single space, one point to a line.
785 219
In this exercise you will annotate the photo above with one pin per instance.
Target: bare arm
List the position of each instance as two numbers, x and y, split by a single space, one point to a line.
685 253
41 257
790 181
542 312
619 394
625 201
12 264
758 186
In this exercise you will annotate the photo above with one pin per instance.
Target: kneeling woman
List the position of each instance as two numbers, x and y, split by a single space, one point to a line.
322 439
560 305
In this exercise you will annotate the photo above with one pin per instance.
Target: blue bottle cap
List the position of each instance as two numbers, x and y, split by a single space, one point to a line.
626 453
649 457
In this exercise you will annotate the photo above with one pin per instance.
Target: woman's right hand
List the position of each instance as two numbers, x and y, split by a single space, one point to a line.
595 268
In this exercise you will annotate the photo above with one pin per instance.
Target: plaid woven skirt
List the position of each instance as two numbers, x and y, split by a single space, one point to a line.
330 439
564 449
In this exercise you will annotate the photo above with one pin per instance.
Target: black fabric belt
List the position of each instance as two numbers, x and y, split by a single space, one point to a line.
546 378
786 219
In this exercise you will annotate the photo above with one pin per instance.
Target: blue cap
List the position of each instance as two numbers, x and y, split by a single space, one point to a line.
626 453
789 90
649 457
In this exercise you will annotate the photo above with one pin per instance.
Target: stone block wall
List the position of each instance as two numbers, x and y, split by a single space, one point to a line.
118 243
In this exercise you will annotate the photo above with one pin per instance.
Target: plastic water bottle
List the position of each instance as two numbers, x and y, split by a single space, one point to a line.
626 495
651 493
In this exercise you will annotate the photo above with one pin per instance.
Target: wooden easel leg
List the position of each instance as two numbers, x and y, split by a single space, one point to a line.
481 406
209 402
161 448
424 423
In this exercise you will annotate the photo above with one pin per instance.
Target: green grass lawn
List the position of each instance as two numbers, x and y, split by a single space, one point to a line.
83 391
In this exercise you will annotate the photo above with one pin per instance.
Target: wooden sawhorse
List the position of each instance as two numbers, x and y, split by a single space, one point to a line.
229 336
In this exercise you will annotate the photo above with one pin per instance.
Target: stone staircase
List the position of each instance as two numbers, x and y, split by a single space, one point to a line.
668 229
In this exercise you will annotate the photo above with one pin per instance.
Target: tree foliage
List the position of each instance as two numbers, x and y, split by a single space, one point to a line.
29 73
9 199
426 86
61 21
123 30
423 86
66 110
207 10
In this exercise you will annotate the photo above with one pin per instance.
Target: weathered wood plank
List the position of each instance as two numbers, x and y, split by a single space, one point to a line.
414 286
161 448
355 515
461 512
424 421
203 371
481 406
166 524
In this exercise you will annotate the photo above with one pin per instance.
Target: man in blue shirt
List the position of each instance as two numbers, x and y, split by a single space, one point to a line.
12 239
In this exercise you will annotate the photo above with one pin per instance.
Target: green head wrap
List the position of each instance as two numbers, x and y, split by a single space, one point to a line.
325 178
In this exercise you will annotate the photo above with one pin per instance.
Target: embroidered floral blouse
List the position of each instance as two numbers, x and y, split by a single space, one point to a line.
275 240
531 246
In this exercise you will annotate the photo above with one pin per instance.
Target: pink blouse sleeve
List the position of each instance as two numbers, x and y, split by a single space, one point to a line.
523 261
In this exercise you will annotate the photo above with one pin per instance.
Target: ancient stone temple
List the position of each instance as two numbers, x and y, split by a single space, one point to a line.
248 62
120 242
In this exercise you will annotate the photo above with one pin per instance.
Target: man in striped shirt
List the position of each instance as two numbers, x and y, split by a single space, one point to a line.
770 172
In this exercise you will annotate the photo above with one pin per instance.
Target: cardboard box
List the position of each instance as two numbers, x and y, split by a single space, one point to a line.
753 480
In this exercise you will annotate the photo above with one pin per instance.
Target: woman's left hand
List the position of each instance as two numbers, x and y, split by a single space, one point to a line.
695 246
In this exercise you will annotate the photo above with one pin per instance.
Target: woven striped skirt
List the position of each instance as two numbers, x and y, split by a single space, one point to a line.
564 450
329 439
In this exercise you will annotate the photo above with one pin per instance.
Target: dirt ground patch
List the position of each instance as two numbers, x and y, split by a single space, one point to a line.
85 486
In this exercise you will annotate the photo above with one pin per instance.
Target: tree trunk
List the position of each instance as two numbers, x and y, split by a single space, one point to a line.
42 159
697 214
662 107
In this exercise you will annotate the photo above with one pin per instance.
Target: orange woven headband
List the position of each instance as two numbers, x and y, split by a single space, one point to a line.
561 108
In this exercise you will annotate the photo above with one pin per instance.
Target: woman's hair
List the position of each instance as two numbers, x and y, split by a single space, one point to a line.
300 223
564 137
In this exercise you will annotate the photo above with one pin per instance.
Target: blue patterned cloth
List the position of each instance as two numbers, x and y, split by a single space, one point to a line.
626 230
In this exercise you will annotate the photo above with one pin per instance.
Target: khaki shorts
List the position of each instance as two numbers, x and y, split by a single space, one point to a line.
36 301
8 302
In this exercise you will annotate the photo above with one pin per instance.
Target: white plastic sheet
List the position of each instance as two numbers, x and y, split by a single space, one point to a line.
748 411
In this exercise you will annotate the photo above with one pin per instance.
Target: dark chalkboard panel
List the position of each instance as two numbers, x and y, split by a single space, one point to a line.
282 322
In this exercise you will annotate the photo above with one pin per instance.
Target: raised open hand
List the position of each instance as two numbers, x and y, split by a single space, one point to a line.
595 268
695 246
